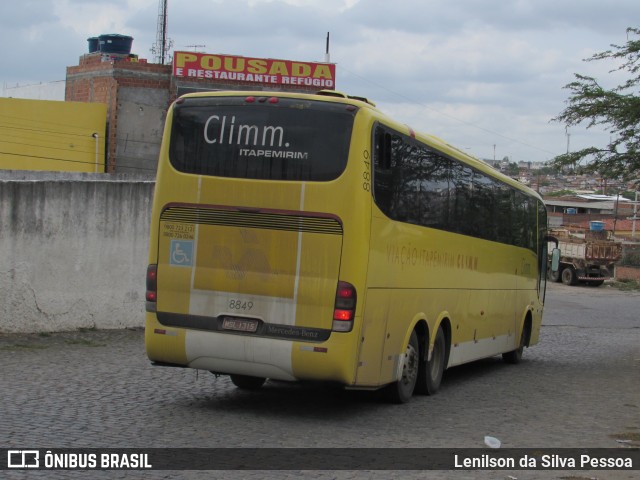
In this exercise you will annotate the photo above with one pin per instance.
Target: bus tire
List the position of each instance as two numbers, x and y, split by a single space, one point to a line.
515 356
246 382
401 391
431 371
569 276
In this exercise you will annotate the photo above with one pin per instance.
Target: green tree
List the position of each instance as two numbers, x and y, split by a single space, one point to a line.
512 170
617 109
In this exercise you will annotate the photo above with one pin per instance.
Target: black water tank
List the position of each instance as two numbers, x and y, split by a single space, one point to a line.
94 44
114 43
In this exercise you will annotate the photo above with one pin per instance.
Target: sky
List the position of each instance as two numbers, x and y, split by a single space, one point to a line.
484 75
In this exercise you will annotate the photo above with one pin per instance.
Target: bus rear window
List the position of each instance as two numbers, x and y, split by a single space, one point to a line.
286 139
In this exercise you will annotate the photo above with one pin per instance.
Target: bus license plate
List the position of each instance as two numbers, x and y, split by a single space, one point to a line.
240 324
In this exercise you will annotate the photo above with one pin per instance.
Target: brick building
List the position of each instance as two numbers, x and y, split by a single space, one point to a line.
138 94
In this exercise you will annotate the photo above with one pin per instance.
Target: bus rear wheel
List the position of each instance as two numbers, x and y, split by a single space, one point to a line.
402 390
246 382
431 371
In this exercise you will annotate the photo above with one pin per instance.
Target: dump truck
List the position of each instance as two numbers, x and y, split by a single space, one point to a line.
585 256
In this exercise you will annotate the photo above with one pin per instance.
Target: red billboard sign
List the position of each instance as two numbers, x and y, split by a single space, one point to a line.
193 65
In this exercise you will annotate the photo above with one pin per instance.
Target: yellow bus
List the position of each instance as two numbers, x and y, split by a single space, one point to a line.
310 237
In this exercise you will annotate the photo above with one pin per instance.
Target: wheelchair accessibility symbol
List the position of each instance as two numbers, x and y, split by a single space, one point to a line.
181 253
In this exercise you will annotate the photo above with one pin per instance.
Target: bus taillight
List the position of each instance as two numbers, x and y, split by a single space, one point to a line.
345 307
152 287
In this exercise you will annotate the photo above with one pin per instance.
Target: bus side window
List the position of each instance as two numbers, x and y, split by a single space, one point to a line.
383 150
383 181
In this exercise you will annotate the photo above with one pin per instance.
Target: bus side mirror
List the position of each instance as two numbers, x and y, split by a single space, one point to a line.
555 259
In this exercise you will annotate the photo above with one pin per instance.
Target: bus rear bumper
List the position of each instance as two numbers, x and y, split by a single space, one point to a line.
233 354
239 354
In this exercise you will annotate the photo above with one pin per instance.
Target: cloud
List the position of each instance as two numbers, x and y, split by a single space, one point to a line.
28 14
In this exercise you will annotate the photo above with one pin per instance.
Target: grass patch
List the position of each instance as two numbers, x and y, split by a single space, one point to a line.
82 341
577 478
626 285
23 346
631 438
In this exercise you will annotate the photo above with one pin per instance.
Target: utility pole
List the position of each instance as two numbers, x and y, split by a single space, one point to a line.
635 216
327 57
566 132
615 214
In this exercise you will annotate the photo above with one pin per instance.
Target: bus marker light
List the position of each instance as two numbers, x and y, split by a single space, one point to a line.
308 348
168 333
273 100
345 291
152 288
250 99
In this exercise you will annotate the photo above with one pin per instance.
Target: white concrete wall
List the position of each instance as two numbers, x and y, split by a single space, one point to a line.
73 251
38 91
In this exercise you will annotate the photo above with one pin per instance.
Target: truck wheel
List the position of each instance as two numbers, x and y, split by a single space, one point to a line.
554 276
569 276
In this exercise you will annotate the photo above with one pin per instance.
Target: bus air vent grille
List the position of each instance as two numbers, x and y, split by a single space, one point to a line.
248 219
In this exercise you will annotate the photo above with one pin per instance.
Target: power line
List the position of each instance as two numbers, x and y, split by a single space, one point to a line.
81 135
47 158
42 131
73 161
30 121
49 147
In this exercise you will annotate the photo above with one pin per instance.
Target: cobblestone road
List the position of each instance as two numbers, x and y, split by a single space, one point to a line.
580 387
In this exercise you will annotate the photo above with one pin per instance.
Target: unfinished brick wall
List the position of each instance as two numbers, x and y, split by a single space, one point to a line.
627 273
98 81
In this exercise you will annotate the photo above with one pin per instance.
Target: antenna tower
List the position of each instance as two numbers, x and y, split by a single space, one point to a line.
161 48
